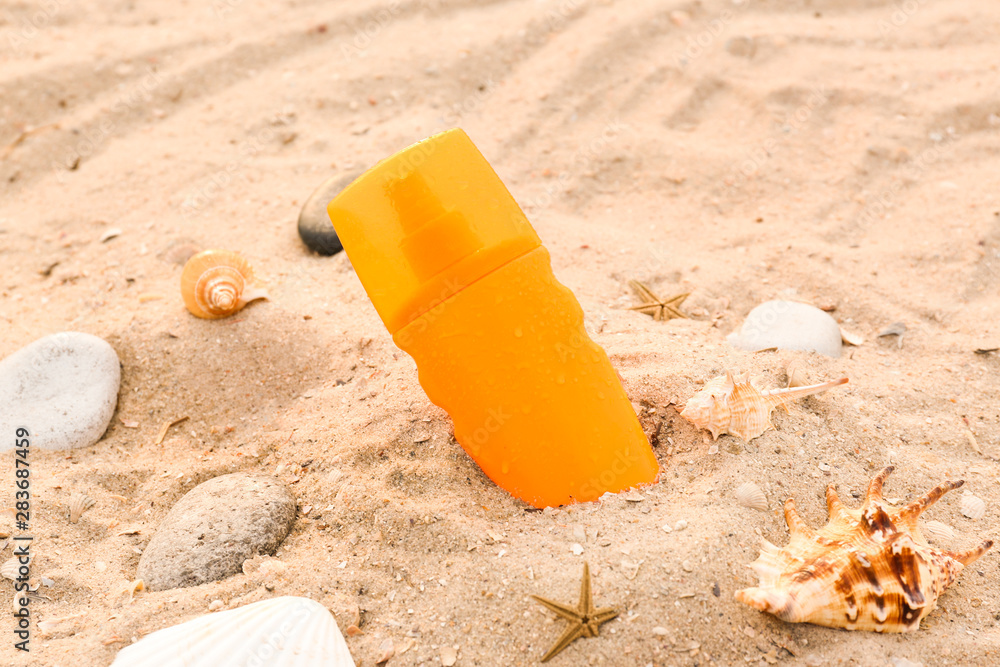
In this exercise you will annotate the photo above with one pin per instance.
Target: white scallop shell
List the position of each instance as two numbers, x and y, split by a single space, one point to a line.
78 504
280 632
10 569
939 532
973 507
749 495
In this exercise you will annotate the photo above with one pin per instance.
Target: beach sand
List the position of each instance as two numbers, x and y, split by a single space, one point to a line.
838 152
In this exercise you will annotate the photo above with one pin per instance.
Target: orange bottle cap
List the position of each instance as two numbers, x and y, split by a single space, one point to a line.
427 222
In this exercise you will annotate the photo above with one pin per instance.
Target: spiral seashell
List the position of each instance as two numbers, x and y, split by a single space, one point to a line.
749 495
78 504
218 283
973 507
939 532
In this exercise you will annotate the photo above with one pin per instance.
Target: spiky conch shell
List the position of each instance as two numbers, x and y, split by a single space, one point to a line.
733 405
218 283
866 569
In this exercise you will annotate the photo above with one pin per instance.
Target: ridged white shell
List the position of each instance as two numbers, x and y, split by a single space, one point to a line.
749 495
939 532
78 504
973 507
9 569
281 632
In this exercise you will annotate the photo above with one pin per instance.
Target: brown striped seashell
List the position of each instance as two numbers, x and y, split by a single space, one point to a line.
730 405
218 283
973 507
78 504
749 495
866 569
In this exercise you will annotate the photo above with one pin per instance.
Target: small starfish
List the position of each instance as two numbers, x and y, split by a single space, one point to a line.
585 620
659 309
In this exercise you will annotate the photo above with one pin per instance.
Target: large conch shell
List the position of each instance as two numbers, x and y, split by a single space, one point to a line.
218 283
866 569
733 405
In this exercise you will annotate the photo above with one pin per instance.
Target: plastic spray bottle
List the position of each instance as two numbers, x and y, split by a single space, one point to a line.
463 284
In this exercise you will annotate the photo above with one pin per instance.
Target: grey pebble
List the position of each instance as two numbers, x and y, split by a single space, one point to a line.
216 526
63 388
315 228
788 325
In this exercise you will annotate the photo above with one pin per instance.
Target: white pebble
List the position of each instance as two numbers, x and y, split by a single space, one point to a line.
788 325
63 388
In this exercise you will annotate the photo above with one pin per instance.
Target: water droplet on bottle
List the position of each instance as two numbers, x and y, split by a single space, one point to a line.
518 332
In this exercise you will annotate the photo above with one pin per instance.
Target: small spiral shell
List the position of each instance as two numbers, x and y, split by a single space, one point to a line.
218 283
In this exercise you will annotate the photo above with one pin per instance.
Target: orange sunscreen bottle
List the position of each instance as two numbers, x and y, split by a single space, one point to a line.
466 288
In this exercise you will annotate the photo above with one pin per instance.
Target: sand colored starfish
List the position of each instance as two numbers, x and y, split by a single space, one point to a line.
659 309
584 620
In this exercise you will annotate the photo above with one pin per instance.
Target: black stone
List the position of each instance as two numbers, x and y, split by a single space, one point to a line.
315 228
